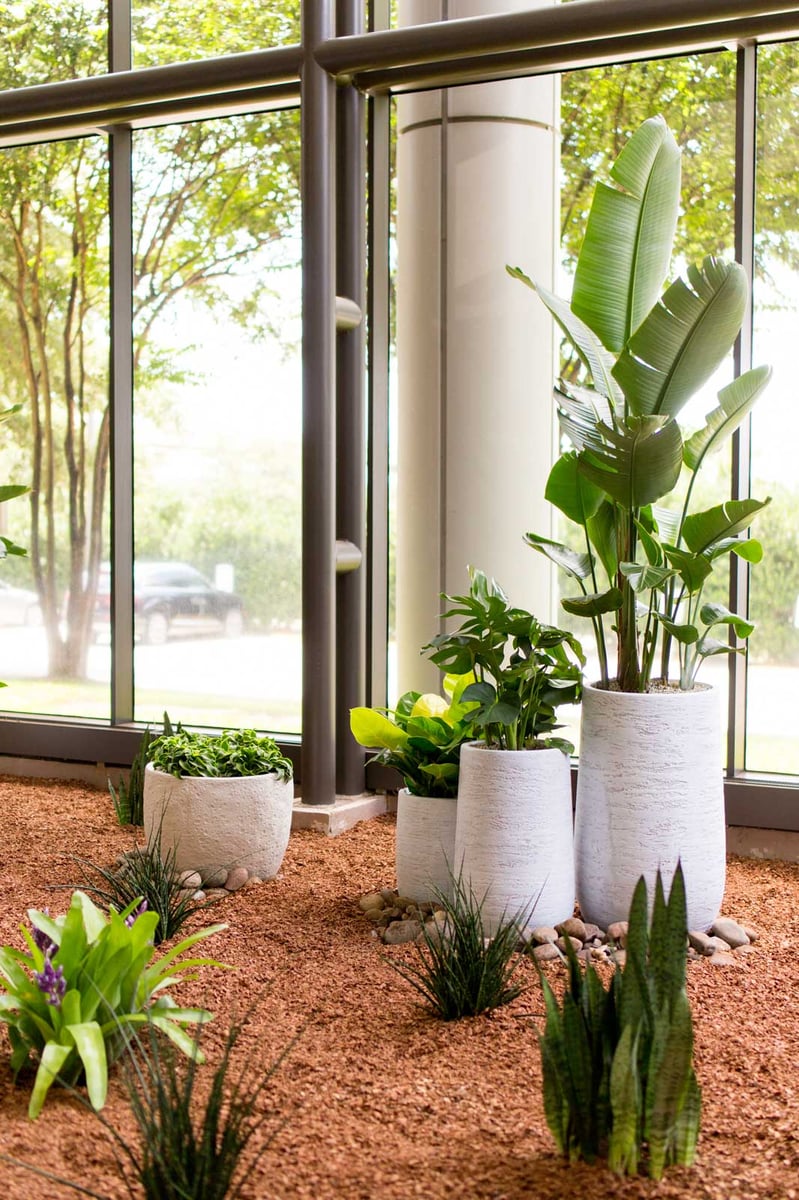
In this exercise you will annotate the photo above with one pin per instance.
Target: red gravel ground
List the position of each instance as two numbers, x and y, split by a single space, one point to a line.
376 1100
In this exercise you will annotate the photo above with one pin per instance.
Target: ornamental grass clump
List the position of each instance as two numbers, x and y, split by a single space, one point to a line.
128 798
148 875
70 1000
461 971
617 1063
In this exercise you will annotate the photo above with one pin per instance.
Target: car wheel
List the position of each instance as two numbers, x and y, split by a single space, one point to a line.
234 623
157 629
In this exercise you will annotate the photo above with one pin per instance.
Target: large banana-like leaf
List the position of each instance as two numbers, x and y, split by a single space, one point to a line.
570 491
638 463
735 401
683 339
580 410
703 530
590 349
627 246
571 561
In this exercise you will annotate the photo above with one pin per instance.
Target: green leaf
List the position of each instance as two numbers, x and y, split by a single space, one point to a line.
651 545
9 491
371 728
601 529
708 646
593 605
589 347
627 245
717 614
686 634
702 531
52 1059
736 400
693 569
638 463
684 339
569 490
571 561
643 578
625 1102
90 1045
579 412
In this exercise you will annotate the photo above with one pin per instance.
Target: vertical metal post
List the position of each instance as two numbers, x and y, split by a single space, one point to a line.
745 145
319 430
350 440
121 399
378 343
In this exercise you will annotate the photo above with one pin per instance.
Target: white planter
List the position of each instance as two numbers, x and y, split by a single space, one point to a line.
212 823
650 791
425 844
513 837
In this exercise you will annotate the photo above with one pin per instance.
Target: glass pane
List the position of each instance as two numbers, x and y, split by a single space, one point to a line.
42 42
54 318
217 422
771 742
600 108
170 31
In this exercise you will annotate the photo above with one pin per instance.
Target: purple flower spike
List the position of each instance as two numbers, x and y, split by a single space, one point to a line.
130 919
51 981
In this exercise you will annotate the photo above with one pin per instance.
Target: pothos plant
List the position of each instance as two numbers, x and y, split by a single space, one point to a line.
522 670
422 737
643 356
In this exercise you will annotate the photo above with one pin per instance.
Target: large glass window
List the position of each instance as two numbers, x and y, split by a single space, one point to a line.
170 31
218 422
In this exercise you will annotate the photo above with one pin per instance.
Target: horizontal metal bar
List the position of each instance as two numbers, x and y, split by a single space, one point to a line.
102 98
583 21
484 68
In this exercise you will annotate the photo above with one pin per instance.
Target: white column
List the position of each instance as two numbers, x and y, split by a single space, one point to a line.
477 171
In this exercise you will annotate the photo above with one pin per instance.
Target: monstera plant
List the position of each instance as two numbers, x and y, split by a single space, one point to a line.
644 353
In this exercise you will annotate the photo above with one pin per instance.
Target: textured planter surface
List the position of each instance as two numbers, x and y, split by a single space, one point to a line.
650 791
514 832
213 823
425 844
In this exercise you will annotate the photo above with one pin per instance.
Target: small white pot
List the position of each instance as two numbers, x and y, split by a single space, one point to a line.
650 791
513 838
243 821
425 845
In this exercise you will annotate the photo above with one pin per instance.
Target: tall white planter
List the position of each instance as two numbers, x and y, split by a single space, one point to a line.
650 791
244 821
513 838
425 845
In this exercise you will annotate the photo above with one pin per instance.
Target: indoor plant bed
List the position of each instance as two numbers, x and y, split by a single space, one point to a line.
643 567
422 739
513 838
220 802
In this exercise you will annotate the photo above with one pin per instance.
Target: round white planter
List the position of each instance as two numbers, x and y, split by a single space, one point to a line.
650 791
425 845
211 823
513 837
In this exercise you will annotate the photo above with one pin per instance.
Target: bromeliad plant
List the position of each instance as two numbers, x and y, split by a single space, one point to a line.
522 670
422 737
643 357
84 980
235 752
617 1063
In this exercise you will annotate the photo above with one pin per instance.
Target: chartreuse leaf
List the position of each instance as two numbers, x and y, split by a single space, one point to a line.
430 705
53 1057
736 401
683 339
371 728
628 238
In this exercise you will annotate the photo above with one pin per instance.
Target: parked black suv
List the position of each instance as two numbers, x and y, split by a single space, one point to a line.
171 599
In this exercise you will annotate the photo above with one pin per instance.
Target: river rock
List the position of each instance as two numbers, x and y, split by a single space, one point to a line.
236 878
546 952
543 935
730 931
401 932
573 927
617 932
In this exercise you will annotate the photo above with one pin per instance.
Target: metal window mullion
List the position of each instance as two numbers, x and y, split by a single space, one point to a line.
350 423
318 413
378 356
745 171
121 385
